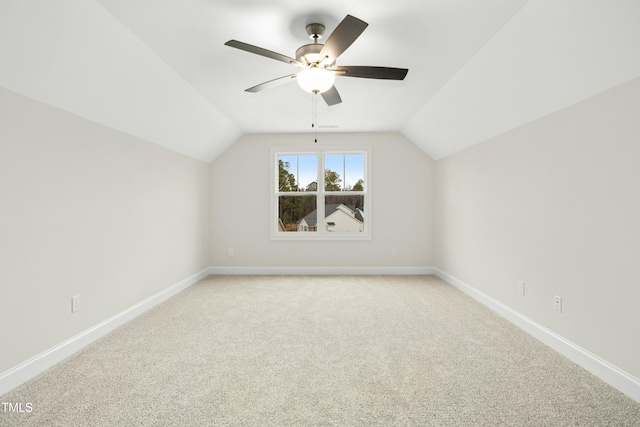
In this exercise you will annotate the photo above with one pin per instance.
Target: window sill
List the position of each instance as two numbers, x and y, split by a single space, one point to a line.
295 236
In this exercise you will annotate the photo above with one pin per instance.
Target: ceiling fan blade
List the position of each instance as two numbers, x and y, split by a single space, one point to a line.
270 84
331 96
342 37
263 52
386 73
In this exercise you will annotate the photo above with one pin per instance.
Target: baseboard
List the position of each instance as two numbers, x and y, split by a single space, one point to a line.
604 370
25 371
322 271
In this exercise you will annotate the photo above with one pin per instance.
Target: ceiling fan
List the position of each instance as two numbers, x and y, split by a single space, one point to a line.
317 62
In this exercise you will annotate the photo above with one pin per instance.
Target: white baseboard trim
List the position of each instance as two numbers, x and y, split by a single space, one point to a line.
322 271
604 370
23 372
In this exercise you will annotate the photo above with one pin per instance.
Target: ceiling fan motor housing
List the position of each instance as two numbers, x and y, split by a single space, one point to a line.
309 53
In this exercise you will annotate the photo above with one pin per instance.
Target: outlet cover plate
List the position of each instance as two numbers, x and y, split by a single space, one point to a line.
557 303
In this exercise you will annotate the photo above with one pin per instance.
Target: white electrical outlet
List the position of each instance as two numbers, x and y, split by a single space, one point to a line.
75 303
230 252
557 303
394 252
520 287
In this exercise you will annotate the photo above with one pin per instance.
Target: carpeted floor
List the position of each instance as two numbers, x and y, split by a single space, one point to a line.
328 350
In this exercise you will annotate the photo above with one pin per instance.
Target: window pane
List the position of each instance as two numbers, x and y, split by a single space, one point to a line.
286 179
308 172
344 172
354 172
297 172
333 170
297 213
344 214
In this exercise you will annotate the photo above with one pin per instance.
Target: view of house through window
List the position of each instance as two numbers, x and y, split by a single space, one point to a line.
321 193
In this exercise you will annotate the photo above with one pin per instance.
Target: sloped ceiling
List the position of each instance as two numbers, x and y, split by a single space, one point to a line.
159 70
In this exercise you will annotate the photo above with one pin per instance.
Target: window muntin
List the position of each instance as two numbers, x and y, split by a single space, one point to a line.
342 197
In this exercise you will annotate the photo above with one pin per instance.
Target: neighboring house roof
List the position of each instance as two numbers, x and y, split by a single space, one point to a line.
312 218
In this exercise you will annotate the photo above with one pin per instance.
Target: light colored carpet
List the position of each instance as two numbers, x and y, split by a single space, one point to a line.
292 350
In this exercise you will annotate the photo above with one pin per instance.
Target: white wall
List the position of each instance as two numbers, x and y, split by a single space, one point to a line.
87 210
402 203
555 203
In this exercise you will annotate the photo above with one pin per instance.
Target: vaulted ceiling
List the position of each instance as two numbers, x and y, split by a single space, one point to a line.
159 70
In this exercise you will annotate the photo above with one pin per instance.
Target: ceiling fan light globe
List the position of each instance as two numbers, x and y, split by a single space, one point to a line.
315 80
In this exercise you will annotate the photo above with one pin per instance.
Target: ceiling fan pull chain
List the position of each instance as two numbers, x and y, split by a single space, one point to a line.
315 113
313 97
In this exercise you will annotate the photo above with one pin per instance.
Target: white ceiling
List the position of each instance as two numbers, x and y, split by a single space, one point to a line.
159 70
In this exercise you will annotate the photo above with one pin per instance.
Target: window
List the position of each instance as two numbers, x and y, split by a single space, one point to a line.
321 194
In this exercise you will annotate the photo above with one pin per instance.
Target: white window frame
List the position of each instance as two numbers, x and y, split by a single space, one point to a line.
320 234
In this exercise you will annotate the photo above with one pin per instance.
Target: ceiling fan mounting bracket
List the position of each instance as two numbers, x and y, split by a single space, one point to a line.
315 31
